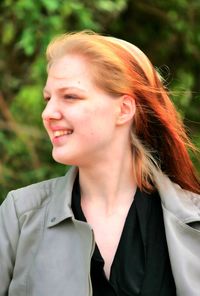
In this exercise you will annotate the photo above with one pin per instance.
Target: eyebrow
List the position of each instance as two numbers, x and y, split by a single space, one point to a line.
63 89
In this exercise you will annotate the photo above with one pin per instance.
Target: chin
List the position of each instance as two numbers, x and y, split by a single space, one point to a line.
64 159
73 158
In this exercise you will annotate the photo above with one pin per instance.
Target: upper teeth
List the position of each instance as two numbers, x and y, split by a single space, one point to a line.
62 133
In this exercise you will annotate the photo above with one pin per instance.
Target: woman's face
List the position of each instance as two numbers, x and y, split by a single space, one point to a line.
79 117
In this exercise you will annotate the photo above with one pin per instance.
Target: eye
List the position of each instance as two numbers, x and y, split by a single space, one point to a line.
46 99
70 97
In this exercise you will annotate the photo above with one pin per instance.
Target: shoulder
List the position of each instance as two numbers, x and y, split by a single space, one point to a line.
33 196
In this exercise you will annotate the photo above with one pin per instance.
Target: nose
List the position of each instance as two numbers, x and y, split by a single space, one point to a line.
51 111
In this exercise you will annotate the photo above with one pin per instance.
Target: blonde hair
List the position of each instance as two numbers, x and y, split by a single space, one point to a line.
118 67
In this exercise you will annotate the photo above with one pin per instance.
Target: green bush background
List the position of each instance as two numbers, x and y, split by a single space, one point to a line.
167 31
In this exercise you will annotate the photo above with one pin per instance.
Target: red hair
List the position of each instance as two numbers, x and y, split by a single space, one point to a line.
158 136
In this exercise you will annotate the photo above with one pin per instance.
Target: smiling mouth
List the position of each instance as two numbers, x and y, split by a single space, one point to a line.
62 133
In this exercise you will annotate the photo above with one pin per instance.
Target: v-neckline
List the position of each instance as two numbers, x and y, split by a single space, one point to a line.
97 253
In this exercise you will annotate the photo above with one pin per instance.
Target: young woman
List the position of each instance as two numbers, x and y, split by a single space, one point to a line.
125 220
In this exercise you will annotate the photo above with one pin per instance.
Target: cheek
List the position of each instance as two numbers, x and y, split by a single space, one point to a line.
91 121
88 126
97 125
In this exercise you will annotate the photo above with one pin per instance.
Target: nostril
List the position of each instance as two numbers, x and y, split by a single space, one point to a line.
49 115
43 115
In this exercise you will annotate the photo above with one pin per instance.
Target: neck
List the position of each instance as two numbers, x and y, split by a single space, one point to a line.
109 184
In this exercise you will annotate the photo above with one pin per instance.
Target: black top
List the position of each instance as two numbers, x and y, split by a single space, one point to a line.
141 263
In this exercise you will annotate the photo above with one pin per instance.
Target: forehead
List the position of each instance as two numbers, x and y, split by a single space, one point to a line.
69 69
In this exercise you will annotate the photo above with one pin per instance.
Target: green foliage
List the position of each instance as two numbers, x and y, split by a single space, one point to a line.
168 31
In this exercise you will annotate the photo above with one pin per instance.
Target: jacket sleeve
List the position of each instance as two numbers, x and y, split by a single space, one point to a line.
9 236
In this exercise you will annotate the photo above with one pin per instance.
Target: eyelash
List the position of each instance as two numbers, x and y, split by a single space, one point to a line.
46 99
69 97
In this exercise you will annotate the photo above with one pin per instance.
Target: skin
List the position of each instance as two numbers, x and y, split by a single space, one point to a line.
99 145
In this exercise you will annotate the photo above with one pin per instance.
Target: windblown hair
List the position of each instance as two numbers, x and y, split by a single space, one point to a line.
158 137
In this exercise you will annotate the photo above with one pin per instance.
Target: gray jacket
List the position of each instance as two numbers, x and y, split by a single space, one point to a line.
44 251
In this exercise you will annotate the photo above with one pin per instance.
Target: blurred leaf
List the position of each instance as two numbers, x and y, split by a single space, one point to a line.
52 5
8 32
28 41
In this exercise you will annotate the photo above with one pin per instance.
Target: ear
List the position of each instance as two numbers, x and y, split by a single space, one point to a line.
126 109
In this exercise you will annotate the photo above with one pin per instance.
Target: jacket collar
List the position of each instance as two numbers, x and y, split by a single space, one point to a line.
185 205
60 204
